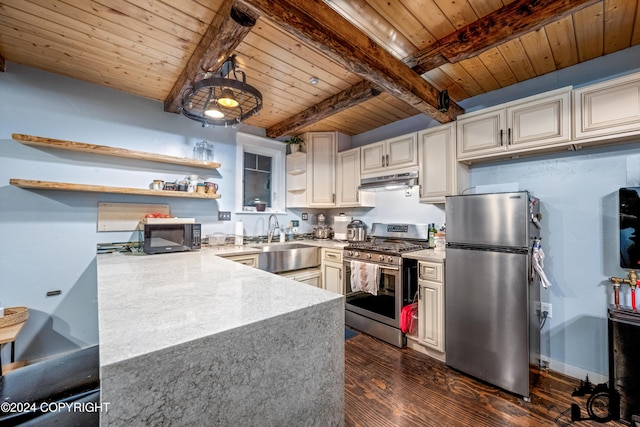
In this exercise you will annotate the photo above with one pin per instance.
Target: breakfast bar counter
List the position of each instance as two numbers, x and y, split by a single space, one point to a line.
194 339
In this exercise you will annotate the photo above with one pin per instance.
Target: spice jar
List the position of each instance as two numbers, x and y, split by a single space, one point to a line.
439 241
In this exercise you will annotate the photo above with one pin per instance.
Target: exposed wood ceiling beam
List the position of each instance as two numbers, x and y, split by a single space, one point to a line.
356 94
506 23
320 26
229 27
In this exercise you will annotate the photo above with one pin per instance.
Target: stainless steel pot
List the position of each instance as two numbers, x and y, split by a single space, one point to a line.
322 233
356 231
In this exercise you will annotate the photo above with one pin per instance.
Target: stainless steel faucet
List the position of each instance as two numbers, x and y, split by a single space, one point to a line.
271 232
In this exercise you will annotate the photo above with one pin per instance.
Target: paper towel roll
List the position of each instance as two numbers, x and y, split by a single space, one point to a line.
239 233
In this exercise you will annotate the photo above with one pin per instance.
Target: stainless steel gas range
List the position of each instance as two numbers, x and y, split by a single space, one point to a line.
379 282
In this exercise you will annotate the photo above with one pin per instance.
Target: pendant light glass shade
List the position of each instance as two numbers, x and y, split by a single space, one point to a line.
227 99
213 112
223 99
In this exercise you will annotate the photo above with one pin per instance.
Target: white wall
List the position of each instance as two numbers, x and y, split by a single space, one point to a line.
50 237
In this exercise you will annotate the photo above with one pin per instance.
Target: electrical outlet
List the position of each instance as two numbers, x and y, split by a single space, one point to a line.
295 223
305 216
224 216
545 306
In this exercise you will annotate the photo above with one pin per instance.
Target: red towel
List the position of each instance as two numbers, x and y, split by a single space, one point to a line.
408 317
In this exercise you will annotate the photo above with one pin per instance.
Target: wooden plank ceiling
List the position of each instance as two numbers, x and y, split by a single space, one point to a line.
376 61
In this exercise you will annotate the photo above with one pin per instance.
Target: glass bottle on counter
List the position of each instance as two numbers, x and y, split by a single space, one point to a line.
432 234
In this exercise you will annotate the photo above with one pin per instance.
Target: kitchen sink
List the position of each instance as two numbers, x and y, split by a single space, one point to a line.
279 257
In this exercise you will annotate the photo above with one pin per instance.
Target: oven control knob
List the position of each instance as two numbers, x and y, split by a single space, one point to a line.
368 256
381 257
350 253
356 254
390 258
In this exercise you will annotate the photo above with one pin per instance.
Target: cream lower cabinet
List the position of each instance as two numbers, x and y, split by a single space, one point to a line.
533 124
440 173
332 270
348 181
312 276
607 110
431 305
249 260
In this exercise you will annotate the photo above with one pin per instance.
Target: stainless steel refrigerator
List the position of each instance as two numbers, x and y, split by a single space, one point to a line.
491 323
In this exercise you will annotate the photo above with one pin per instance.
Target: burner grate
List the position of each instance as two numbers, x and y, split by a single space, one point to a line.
387 246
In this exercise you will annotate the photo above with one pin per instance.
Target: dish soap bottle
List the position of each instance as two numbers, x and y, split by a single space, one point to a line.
290 231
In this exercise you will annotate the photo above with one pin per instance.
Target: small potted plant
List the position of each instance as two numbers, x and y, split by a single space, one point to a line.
293 144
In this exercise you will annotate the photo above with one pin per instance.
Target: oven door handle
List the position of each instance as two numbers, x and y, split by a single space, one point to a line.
382 267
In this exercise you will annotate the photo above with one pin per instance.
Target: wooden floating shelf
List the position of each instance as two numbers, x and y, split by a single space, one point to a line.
65 186
62 144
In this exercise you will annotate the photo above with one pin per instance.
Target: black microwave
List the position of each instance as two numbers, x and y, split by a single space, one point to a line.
165 238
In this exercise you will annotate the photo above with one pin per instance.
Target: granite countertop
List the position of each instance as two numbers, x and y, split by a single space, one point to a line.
151 302
426 255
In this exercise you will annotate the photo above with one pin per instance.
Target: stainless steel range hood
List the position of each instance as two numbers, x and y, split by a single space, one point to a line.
389 182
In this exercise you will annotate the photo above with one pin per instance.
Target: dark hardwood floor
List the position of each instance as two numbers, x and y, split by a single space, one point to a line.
387 386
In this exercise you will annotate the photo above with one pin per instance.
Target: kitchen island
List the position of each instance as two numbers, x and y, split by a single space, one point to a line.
194 339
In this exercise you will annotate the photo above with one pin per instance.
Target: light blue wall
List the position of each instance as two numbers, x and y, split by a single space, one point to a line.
578 191
50 237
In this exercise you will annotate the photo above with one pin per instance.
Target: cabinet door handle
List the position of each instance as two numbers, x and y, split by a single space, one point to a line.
383 160
501 142
334 198
419 293
387 160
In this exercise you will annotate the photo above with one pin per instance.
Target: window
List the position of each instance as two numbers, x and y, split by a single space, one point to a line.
260 173
257 179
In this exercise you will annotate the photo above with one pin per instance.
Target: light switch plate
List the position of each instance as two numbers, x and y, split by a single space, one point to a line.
224 216
305 216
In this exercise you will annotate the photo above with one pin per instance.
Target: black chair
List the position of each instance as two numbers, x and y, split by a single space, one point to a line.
72 377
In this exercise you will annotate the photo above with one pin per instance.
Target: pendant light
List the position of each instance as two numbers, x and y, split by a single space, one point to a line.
222 98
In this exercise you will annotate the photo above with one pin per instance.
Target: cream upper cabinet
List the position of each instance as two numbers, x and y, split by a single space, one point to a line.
607 110
440 173
321 174
311 175
481 133
389 155
348 181
297 179
531 124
